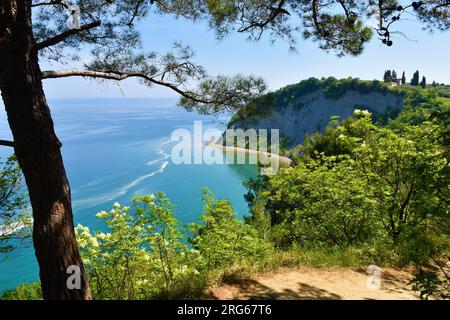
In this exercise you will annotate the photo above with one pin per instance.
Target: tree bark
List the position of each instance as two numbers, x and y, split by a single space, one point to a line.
38 151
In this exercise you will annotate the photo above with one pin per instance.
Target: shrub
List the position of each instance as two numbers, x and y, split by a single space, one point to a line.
222 239
365 184
143 257
148 255
15 220
26 291
434 282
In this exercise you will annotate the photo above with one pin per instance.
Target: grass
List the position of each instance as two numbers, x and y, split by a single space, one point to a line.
444 100
314 257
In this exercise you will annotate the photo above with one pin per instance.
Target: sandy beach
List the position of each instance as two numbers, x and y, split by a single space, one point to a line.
283 161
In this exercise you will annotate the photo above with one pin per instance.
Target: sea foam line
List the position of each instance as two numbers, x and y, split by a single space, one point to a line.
167 142
122 191
136 181
165 157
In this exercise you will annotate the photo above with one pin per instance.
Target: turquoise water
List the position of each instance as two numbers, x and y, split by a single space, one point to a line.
115 149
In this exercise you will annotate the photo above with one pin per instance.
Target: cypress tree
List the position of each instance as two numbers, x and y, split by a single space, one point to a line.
423 83
415 79
388 76
394 74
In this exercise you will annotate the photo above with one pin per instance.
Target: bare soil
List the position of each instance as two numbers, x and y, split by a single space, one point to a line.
314 283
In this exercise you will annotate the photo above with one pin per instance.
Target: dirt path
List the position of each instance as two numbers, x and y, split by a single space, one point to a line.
307 283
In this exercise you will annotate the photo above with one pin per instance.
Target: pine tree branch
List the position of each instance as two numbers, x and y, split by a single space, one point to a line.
274 13
49 3
120 76
62 36
6 143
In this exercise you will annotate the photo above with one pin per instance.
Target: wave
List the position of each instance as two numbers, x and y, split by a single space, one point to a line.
161 169
95 183
164 166
122 191
153 162
165 157
162 152
167 142
89 202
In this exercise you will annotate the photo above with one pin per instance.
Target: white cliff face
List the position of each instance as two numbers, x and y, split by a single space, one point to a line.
312 112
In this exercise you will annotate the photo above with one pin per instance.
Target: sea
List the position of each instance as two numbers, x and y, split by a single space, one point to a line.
115 149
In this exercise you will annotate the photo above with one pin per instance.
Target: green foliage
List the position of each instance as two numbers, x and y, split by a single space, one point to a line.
109 37
415 79
316 205
394 74
309 256
365 184
27 291
143 256
423 82
363 192
443 91
291 95
15 221
113 45
222 239
390 75
147 254
434 282
332 256
387 76
420 106
222 93
334 89
259 107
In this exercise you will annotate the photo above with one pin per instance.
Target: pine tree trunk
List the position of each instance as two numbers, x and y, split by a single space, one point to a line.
38 151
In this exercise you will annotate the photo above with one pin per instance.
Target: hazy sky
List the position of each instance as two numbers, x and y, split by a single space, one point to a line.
428 53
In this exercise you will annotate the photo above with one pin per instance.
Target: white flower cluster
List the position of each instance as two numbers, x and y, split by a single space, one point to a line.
361 112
